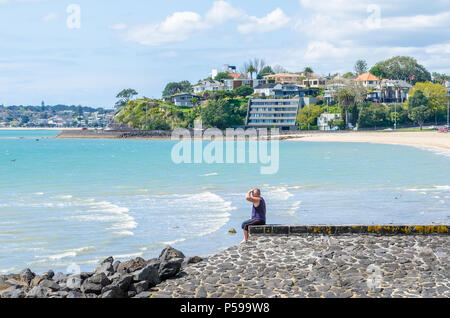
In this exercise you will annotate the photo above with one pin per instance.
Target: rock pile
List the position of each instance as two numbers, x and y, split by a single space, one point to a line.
111 279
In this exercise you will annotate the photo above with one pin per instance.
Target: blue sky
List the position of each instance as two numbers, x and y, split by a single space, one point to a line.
143 44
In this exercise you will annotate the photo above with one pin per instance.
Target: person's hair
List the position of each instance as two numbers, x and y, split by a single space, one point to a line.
257 191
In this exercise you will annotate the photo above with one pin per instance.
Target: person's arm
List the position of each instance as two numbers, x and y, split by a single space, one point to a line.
250 198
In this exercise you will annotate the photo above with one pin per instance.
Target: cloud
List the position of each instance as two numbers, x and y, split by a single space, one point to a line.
176 28
275 20
222 12
180 26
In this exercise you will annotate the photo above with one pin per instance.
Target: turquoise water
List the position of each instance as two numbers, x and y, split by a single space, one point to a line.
65 202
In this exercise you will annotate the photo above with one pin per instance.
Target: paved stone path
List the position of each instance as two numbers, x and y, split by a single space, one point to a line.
320 266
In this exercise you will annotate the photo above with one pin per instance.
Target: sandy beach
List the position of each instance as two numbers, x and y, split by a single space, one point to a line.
427 139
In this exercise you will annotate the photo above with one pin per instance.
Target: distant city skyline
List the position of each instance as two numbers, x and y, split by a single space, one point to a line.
85 52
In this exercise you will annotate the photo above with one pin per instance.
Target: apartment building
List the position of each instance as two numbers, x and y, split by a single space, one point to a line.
273 113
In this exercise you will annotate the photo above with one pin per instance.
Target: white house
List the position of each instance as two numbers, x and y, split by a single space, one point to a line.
324 119
209 85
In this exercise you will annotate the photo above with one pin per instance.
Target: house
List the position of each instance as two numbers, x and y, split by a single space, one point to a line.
284 90
447 85
331 90
270 113
368 80
208 85
394 91
315 82
283 78
232 84
183 99
323 122
265 89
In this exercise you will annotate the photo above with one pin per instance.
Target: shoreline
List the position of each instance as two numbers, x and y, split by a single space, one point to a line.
411 261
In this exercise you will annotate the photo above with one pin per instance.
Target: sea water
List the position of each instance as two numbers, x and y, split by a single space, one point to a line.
74 202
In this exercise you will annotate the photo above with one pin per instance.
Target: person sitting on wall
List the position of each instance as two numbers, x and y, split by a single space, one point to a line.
258 211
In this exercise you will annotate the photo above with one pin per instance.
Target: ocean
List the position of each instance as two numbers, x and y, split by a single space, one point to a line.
69 202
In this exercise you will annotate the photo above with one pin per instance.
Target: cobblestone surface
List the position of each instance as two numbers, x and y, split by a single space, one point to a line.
320 266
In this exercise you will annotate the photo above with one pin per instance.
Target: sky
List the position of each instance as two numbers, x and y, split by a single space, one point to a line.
84 52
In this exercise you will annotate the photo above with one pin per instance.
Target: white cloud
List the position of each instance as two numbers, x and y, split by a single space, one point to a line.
176 28
222 12
275 20
180 26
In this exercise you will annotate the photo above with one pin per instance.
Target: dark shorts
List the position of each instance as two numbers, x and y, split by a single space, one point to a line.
248 223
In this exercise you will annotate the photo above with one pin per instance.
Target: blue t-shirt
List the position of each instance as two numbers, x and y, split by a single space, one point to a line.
259 213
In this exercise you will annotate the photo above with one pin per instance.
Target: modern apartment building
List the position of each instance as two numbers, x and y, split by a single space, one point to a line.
270 113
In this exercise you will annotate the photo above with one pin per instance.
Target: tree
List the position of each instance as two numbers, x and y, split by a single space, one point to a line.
308 115
176 87
222 114
124 97
401 68
308 72
373 115
221 76
348 75
360 67
417 109
345 97
267 70
244 91
436 95
279 69
440 78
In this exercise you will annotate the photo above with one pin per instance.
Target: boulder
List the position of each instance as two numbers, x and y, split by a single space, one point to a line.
132 265
48 274
58 294
170 268
169 253
123 282
46 283
74 282
108 260
140 287
99 279
191 260
91 288
26 276
150 274
60 278
13 292
74 294
105 268
116 266
35 281
38 292
112 291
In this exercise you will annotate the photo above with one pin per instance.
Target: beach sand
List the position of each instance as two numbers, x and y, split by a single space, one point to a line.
427 139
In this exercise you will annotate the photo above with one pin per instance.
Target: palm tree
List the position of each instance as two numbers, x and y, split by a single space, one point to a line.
308 71
346 98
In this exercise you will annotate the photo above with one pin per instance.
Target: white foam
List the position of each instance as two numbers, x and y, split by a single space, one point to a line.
277 193
64 197
295 207
209 174
433 189
173 242
125 256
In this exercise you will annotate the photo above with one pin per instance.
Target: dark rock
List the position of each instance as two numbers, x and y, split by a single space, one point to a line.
195 260
113 291
74 294
74 282
35 281
150 274
131 294
105 268
99 279
14 293
38 292
140 287
170 268
132 265
46 283
116 266
145 294
60 278
58 294
26 275
48 274
123 282
169 253
91 288
108 260
90 295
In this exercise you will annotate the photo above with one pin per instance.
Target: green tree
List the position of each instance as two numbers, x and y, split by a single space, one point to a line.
124 97
373 115
176 87
419 115
223 113
222 76
345 98
267 70
308 115
360 67
401 68
244 91
436 95
348 75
